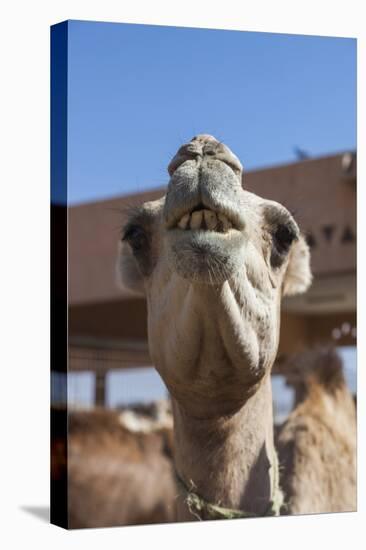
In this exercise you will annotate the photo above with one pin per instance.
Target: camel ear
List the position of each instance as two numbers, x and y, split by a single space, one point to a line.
128 274
298 275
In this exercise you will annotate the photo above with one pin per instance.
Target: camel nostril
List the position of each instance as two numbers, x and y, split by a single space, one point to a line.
190 150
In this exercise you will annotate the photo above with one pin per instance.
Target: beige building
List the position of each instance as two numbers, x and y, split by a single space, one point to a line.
107 329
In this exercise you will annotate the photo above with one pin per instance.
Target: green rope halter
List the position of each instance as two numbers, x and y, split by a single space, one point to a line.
202 509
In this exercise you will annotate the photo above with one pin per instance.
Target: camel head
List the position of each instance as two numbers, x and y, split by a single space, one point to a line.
319 367
213 261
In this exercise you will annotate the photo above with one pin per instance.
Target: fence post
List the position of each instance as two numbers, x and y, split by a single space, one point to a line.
100 389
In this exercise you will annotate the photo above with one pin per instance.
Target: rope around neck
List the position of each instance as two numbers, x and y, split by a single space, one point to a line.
202 509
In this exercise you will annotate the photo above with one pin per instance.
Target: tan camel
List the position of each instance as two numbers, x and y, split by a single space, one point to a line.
214 261
147 418
317 443
117 476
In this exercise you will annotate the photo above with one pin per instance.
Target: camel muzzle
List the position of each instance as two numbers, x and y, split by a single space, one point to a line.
205 191
202 146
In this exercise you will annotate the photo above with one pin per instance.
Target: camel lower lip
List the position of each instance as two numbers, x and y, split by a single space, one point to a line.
206 255
206 237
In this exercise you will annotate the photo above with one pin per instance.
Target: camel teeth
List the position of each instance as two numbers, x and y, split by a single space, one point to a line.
183 222
205 219
196 219
210 219
226 225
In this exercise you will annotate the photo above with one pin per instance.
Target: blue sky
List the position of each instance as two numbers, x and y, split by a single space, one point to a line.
137 92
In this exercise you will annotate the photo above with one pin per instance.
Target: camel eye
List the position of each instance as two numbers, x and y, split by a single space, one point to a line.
282 239
136 237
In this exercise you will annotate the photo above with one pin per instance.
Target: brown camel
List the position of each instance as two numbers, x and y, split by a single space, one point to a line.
214 261
317 443
116 476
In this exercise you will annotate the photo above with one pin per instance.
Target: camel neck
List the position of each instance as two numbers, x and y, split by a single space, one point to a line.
228 461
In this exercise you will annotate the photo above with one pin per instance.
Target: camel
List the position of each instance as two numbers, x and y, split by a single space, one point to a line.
146 418
214 262
118 476
317 443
